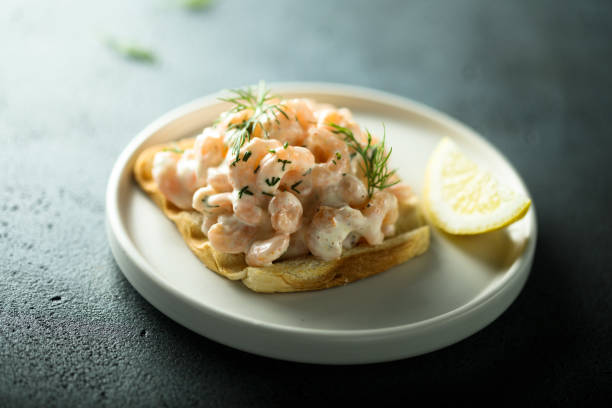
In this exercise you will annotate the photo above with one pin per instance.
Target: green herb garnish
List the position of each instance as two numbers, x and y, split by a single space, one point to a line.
272 181
374 156
285 145
205 202
196 5
293 187
266 193
244 190
132 51
246 156
307 172
285 162
256 169
257 100
338 156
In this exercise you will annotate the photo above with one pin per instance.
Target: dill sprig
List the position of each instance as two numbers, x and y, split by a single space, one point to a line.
375 159
132 51
257 100
196 5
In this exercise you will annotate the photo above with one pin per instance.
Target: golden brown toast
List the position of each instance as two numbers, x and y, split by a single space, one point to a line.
291 275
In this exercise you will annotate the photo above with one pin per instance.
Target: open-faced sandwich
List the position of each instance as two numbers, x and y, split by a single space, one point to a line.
285 195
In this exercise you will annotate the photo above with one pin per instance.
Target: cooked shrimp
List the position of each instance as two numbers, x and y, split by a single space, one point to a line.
285 212
246 208
331 155
303 109
230 235
228 119
284 128
342 117
329 228
264 252
218 178
209 149
326 116
207 201
288 168
404 194
208 221
349 191
380 212
170 182
244 172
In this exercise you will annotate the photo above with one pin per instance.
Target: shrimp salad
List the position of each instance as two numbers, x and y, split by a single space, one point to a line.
276 179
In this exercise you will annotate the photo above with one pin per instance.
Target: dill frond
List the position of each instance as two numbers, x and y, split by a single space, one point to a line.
375 159
257 100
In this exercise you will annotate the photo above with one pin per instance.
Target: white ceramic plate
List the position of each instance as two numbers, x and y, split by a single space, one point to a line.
458 287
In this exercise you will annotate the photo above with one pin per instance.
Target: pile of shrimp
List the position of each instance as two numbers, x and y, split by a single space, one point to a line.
295 189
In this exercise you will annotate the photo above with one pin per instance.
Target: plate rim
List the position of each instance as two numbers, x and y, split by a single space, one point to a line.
115 230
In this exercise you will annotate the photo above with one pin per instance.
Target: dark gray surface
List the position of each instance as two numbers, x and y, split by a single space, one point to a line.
532 77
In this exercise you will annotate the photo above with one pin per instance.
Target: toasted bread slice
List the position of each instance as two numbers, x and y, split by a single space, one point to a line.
291 275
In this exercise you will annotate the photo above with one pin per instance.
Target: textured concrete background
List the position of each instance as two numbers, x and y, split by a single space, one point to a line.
532 76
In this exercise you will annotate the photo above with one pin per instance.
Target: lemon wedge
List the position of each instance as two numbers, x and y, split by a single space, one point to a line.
461 198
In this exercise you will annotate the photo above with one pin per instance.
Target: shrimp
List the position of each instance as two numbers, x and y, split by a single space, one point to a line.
349 191
208 220
329 115
233 118
218 178
285 212
242 177
381 212
209 149
303 109
341 117
330 227
288 168
404 194
230 235
244 172
264 252
246 208
331 156
284 128
207 201
176 177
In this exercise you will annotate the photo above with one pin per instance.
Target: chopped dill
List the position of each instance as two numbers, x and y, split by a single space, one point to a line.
272 181
285 145
285 162
293 187
246 156
307 172
256 169
244 190
266 193
205 202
